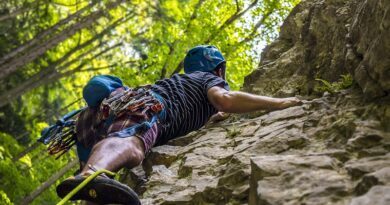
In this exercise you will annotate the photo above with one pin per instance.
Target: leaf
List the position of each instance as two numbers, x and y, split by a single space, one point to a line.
26 160
4 198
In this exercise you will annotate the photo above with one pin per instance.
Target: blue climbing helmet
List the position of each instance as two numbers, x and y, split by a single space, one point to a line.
204 58
100 87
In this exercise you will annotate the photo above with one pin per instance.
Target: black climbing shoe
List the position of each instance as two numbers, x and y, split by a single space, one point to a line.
100 190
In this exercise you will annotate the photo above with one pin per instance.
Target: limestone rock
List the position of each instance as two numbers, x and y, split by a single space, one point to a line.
378 195
327 39
368 42
367 135
357 168
162 155
294 179
309 154
380 177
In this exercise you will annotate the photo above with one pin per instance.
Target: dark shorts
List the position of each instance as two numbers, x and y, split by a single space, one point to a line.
148 137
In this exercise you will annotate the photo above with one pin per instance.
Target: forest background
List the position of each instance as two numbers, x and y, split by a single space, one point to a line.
50 48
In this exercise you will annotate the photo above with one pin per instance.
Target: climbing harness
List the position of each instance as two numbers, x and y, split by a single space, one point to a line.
62 136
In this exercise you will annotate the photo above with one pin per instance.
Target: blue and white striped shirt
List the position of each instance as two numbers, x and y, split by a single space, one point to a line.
187 105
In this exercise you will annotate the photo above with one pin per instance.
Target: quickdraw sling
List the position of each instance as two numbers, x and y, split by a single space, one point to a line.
61 136
131 101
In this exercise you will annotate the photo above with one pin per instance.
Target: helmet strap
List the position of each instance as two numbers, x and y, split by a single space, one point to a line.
220 72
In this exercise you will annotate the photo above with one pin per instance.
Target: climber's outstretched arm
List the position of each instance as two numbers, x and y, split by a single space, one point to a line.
241 102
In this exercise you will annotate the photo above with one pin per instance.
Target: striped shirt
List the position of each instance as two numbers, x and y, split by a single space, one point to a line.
187 105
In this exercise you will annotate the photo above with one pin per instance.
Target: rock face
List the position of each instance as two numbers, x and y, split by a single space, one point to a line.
332 149
325 39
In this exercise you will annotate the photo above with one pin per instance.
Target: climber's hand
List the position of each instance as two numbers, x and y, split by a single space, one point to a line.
289 102
219 117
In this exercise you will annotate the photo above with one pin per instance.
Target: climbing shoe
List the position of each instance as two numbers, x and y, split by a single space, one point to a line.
101 190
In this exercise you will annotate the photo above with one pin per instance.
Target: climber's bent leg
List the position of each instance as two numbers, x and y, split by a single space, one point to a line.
109 154
112 153
115 153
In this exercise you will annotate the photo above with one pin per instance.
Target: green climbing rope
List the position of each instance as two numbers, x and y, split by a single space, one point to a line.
83 184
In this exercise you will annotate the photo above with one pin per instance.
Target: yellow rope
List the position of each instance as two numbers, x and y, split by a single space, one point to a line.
83 184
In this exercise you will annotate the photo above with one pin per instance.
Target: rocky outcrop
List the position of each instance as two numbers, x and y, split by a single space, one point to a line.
326 39
333 149
330 150
368 42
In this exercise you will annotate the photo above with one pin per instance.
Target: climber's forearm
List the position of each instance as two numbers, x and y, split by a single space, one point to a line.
241 102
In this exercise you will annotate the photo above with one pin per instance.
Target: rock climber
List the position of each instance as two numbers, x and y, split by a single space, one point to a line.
116 132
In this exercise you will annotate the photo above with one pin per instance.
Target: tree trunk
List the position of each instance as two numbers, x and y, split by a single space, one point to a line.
44 34
40 49
48 183
164 68
36 80
26 7
26 151
55 75
41 78
13 14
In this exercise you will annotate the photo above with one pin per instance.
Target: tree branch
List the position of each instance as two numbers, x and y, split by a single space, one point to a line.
256 27
173 45
18 11
34 81
63 4
105 67
48 183
57 75
45 33
228 22
38 50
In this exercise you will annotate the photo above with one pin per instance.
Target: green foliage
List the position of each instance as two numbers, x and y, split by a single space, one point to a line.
4 198
233 132
12 178
19 178
344 82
